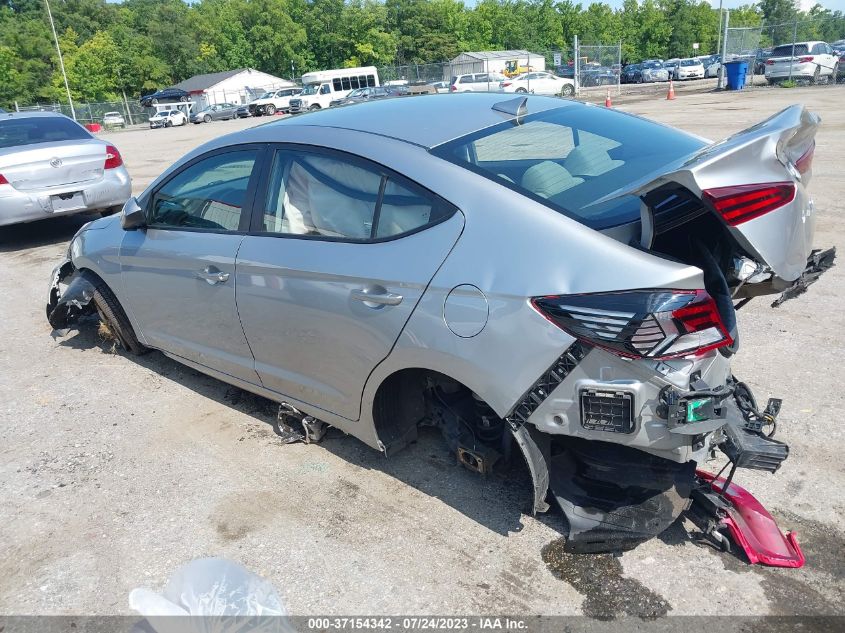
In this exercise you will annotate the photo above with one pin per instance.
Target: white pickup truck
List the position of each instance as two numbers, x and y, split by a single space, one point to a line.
273 101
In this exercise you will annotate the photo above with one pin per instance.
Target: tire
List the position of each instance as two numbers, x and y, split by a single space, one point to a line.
568 90
168 124
183 99
521 90
207 118
270 110
834 75
112 314
314 107
814 80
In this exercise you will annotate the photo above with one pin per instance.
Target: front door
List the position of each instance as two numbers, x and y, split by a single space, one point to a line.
338 258
179 272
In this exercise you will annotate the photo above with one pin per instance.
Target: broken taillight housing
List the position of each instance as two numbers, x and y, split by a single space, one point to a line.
113 158
640 323
3 180
741 203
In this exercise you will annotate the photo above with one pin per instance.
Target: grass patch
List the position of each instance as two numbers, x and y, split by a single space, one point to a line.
789 83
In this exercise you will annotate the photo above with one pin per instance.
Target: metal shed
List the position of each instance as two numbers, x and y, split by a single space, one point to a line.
495 61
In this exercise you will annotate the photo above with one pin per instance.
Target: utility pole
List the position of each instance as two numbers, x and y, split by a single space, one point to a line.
61 61
719 39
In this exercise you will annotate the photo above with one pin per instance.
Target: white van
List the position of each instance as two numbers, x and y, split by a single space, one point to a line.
322 87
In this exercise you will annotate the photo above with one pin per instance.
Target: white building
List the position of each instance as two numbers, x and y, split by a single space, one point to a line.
495 61
230 86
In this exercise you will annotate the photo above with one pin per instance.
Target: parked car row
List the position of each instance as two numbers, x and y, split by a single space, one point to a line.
811 61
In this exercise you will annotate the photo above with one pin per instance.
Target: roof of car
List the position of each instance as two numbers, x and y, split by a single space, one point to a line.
30 114
426 120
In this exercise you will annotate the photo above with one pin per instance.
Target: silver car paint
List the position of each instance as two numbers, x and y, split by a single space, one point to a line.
297 302
35 175
511 249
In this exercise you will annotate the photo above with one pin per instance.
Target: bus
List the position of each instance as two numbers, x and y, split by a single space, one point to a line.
321 87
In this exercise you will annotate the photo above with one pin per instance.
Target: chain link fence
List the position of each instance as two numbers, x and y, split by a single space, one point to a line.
131 111
599 66
791 53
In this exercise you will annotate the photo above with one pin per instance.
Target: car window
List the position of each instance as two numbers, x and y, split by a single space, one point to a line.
313 194
28 131
568 158
403 210
786 50
326 89
326 196
466 79
210 194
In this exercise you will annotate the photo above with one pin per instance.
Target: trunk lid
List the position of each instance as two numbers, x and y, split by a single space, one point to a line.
41 166
777 152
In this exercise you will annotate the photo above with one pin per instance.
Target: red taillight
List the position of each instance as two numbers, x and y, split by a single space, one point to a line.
505 84
454 88
3 180
640 323
804 60
742 203
770 62
804 163
113 158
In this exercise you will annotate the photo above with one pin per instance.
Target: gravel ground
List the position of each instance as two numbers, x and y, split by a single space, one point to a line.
116 470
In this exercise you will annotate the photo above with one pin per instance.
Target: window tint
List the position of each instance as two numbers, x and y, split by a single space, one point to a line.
319 195
371 80
209 194
353 81
786 50
466 79
568 158
28 131
336 84
325 89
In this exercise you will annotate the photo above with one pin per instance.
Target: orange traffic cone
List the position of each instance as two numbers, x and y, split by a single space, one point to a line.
607 102
671 94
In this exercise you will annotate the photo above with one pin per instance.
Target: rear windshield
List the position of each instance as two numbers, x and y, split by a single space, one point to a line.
31 130
567 158
786 50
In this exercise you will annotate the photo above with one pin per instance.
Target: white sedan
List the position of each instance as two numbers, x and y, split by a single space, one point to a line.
168 118
540 83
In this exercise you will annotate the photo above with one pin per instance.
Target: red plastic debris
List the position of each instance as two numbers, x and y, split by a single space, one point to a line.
754 529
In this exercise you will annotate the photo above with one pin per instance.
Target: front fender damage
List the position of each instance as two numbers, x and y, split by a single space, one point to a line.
70 296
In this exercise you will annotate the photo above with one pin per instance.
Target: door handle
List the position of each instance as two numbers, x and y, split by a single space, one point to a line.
383 298
213 275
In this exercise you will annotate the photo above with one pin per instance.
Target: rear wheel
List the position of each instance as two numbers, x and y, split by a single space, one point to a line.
314 107
568 90
270 109
521 90
834 74
816 76
168 124
115 318
207 118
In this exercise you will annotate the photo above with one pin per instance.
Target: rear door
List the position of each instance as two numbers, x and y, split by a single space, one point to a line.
340 252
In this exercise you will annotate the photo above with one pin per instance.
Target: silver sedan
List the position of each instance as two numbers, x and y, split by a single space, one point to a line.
50 165
525 272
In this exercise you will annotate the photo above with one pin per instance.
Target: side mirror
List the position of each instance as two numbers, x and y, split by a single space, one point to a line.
133 216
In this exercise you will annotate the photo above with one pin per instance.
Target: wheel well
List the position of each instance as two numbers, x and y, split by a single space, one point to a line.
400 404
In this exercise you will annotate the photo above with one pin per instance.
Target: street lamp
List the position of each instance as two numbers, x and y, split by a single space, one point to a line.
61 61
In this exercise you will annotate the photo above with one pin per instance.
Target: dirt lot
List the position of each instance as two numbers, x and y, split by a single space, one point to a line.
117 470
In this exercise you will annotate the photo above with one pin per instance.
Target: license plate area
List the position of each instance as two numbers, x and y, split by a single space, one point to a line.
606 410
67 201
